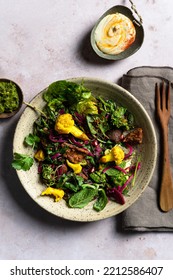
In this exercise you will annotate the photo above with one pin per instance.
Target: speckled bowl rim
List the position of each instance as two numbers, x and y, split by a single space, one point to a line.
30 179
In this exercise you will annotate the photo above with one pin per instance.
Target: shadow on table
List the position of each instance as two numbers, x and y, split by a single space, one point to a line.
86 52
18 192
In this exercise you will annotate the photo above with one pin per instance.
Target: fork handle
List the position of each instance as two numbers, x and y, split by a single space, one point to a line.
166 192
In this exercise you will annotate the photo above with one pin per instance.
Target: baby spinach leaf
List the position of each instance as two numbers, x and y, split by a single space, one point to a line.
101 201
117 177
82 198
70 186
78 179
98 177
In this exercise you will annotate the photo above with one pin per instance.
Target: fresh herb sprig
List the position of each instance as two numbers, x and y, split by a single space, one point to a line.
22 162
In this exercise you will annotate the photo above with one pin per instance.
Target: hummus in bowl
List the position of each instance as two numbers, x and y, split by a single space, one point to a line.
117 34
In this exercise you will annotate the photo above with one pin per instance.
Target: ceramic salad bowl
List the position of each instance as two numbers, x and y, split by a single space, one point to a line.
148 150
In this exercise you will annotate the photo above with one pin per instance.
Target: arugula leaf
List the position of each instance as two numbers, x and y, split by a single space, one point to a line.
22 162
31 140
82 198
120 117
98 124
90 121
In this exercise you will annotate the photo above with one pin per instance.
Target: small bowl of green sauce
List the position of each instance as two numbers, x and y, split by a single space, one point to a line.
11 98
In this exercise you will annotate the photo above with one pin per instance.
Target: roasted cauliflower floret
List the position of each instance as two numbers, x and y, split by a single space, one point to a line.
65 125
39 155
115 154
57 193
77 168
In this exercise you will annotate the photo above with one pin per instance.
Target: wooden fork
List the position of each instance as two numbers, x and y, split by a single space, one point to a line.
163 109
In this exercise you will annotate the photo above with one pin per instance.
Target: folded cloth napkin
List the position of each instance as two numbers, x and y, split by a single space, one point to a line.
145 214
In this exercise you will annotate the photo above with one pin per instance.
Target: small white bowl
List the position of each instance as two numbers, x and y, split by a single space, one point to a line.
148 150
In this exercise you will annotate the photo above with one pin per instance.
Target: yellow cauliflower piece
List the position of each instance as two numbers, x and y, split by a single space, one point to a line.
57 193
39 155
65 124
77 168
116 154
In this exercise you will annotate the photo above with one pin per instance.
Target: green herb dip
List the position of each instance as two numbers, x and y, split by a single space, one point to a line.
9 99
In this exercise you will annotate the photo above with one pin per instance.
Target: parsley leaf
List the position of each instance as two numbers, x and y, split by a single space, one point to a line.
32 140
22 162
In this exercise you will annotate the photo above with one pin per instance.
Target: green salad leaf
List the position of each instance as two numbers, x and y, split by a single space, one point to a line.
66 91
101 201
32 140
86 107
22 162
117 177
98 177
82 198
120 117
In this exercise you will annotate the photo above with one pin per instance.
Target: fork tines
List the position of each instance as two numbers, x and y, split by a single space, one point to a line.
163 96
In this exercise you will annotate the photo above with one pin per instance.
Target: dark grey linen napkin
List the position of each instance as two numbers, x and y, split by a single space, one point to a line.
145 214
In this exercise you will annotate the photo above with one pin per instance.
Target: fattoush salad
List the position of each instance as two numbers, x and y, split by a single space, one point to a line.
85 147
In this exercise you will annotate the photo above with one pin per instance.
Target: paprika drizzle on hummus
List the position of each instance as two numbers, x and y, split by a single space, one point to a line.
114 34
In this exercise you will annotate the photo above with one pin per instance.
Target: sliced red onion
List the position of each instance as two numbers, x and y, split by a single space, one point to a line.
62 111
129 152
98 149
115 194
120 169
115 167
127 182
133 167
40 168
56 156
106 168
57 138
80 119
74 141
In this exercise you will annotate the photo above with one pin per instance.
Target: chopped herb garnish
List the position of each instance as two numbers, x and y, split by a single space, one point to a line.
9 99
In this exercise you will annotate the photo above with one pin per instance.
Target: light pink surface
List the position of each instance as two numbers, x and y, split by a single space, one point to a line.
43 41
